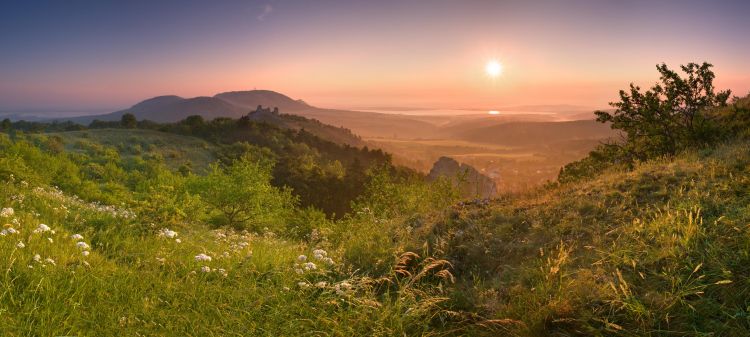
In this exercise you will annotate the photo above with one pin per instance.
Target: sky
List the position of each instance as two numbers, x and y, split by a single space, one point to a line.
101 56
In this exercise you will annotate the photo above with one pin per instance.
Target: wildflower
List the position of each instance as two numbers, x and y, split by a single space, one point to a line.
222 271
37 258
4 232
50 240
41 228
50 261
328 261
77 237
321 284
299 271
303 284
286 288
319 254
168 233
161 260
309 266
177 240
206 269
20 245
301 258
342 287
82 245
202 257
6 212
85 253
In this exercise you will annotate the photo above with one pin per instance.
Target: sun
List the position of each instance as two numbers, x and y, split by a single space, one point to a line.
493 68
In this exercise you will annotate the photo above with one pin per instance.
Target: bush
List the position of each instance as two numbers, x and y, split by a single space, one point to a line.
243 196
671 116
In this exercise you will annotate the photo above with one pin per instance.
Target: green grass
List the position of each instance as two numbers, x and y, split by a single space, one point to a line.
661 250
136 282
175 149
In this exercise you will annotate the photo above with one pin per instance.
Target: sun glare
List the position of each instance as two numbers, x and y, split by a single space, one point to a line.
493 112
493 68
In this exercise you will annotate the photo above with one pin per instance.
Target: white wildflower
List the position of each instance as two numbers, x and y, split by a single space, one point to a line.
202 257
37 258
165 232
206 269
319 254
177 240
309 266
50 240
222 271
77 237
82 245
299 271
20 245
303 284
6 212
4 232
85 253
328 261
302 258
321 284
50 261
41 228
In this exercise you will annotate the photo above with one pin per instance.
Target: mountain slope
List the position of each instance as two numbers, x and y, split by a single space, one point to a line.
250 100
660 248
164 109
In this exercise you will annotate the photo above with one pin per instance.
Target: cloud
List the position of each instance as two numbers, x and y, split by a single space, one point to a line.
267 9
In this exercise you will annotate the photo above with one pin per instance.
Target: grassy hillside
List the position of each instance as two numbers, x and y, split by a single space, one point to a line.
176 150
659 250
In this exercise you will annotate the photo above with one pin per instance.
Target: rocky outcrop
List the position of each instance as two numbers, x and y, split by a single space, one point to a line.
471 182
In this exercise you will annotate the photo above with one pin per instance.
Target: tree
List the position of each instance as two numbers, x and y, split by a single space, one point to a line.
128 121
243 195
672 115
5 125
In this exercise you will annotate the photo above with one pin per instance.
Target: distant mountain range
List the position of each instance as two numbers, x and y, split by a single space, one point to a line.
234 104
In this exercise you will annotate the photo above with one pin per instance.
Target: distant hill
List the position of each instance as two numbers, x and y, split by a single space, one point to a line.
165 109
235 104
250 100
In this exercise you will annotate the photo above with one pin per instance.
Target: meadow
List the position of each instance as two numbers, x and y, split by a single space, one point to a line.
110 232
656 250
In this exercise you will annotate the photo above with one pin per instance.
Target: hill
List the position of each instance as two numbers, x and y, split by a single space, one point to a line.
175 150
163 109
583 258
251 99
659 248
